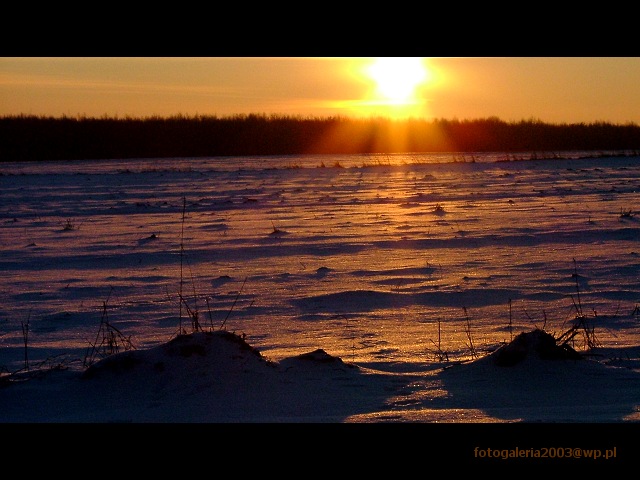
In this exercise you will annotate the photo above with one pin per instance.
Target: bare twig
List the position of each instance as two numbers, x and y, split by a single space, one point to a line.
474 354
184 207
440 354
25 338
234 304
510 322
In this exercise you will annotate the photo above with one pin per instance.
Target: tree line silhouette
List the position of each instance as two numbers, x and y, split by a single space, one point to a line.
28 137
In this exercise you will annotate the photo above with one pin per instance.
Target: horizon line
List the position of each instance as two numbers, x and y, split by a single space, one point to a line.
304 117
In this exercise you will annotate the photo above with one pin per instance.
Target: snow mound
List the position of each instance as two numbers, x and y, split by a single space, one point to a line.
536 344
218 377
316 357
218 350
220 354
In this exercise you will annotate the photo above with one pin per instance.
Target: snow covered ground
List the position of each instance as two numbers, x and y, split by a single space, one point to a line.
323 289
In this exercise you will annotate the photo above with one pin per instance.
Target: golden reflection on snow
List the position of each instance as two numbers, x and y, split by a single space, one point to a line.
426 415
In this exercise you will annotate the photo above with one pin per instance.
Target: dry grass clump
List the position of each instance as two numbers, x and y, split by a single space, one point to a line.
579 335
628 213
109 340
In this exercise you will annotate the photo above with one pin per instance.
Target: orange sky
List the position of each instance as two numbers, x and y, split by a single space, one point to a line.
551 89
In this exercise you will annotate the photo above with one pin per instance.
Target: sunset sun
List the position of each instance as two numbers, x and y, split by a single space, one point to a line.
397 79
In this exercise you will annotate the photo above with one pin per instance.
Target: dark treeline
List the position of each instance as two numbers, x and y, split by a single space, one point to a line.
26 137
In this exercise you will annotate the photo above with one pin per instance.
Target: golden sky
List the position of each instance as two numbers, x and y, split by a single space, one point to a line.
551 89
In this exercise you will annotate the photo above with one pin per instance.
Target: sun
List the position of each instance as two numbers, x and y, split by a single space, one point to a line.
393 87
397 79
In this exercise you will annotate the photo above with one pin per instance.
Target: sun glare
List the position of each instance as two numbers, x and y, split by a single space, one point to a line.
397 79
392 87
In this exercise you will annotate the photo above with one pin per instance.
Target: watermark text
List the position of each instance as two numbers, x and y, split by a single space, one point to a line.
545 452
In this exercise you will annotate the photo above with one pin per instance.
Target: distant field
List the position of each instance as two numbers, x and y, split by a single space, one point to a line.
364 261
